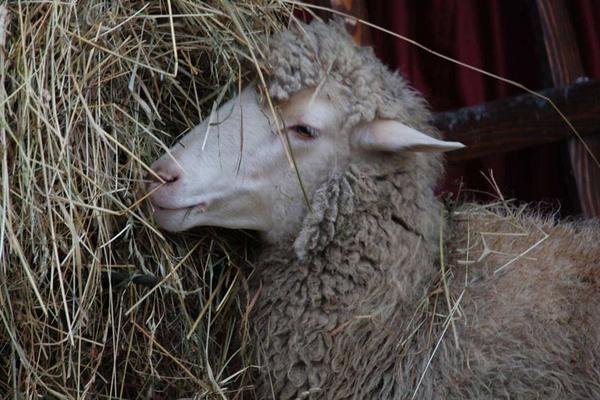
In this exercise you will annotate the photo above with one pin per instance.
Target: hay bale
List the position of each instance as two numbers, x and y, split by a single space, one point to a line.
94 301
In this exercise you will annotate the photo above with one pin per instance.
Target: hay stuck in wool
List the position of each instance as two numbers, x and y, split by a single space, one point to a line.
95 302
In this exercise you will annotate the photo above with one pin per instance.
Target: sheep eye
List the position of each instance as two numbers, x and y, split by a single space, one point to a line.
306 132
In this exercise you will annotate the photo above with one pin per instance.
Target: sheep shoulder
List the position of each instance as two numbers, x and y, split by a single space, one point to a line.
334 305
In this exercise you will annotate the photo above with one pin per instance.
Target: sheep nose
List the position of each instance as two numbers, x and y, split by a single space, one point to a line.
160 177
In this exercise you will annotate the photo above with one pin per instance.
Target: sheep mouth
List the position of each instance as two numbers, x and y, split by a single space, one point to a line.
194 207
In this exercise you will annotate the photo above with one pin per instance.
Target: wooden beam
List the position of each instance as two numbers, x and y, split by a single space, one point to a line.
565 64
521 121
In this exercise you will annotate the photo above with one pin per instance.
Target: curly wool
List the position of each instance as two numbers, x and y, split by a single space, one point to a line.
349 311
315 54
355 318
323 319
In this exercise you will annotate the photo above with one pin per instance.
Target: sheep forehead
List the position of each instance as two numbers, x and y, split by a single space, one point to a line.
324 53
315 108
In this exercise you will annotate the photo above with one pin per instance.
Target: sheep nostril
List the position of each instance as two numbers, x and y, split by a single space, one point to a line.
170 179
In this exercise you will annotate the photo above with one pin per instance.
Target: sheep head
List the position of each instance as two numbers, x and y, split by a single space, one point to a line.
234 170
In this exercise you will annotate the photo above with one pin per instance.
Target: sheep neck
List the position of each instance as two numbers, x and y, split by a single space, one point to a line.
365 254
365 228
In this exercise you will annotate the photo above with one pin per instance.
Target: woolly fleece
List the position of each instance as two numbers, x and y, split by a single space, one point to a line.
351 309
317 54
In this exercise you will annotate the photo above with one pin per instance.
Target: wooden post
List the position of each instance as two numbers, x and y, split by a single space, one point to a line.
565 65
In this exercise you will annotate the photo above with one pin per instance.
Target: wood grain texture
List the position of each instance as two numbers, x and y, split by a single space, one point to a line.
565 64
521 121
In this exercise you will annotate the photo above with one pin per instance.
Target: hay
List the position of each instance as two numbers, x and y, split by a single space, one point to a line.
94 301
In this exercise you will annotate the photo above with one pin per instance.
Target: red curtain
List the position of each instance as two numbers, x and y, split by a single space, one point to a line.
500 36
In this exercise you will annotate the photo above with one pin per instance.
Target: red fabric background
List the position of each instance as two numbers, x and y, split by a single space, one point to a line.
500 36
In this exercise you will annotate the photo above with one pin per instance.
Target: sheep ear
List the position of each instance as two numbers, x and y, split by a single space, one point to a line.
390 135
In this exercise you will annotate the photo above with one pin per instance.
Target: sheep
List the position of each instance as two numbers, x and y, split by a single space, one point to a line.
347 281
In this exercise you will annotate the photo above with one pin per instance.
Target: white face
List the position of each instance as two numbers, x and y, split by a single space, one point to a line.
237 173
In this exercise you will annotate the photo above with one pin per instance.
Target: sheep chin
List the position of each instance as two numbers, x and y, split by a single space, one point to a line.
180 219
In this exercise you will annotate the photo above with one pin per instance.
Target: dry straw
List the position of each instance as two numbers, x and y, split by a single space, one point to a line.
94 301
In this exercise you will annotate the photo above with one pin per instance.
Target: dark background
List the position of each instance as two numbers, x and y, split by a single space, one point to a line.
503 37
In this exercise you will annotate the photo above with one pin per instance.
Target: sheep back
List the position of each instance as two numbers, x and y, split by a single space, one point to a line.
530 311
